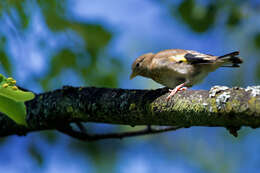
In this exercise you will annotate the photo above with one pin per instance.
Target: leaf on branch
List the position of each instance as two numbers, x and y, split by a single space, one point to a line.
12 100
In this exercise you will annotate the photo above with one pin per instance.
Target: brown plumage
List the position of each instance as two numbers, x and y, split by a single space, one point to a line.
176 68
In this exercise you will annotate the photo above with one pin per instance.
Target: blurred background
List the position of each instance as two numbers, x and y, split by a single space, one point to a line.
45 44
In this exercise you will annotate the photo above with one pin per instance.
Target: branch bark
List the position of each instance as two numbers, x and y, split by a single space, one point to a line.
221 106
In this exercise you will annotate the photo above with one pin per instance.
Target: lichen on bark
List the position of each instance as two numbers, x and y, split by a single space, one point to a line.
221 106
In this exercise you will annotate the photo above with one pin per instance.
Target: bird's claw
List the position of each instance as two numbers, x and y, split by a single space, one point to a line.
175 90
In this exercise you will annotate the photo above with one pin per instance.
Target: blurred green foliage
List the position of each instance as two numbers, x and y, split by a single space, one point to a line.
35 153
92 41
86 56
257 45
257 40
5 62
235 16
199 18
258 71
84 51
20 8
104 157
49 136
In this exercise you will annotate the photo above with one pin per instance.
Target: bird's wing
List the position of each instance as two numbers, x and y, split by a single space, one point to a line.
194 57
189 56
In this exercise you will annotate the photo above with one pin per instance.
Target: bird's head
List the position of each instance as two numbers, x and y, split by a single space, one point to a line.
139 66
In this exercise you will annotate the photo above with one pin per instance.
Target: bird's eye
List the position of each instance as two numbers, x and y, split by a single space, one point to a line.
138 64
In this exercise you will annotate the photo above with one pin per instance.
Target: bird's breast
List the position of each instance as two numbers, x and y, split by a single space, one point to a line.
169 80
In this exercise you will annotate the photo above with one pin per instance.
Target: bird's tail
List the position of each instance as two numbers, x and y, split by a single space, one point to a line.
230 58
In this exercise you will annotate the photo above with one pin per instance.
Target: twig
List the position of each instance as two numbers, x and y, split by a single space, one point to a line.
81 127
94 137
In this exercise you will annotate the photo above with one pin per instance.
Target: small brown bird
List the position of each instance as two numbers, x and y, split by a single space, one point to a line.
178 68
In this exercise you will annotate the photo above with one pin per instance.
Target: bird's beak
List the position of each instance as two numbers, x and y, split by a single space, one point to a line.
133 75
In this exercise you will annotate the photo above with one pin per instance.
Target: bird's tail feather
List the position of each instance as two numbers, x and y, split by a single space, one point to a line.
231 58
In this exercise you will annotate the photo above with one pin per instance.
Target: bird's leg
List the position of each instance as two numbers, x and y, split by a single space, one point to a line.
176 89
183 89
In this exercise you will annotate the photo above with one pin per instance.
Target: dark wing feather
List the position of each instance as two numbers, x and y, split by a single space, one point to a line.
195 59
229 54
231 58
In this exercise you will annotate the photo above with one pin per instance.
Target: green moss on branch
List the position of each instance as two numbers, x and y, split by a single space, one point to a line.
221 106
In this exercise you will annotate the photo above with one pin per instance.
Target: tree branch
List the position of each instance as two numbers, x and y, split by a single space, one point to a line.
120 135
221 106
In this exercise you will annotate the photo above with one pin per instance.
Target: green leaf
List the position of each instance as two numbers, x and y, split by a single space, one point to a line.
9 90
12 100
16 95
14 110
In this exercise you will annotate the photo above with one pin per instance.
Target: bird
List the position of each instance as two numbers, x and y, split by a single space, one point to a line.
180 69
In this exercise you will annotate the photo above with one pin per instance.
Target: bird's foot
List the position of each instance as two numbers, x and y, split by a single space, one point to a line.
175 90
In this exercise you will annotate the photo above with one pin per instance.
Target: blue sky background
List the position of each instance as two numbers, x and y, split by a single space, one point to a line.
137 27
